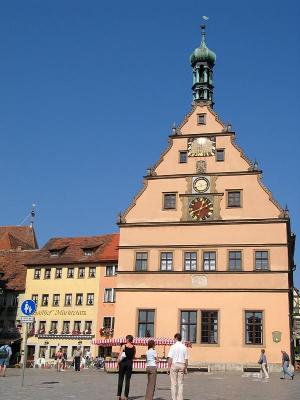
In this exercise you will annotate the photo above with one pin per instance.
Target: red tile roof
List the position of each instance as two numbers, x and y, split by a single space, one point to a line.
71 250
12 265
17 237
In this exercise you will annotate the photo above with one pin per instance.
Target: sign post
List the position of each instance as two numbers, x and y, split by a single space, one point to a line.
28 307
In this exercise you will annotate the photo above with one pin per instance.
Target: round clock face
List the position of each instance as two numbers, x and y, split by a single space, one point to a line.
201 208
201 185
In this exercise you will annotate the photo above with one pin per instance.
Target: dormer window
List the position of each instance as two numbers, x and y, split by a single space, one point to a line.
89 251
57 252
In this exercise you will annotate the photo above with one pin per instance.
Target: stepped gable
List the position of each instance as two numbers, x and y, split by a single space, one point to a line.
17 237
87 249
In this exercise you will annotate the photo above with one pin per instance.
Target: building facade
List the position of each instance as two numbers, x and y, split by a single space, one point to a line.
204 248
17 245
66 280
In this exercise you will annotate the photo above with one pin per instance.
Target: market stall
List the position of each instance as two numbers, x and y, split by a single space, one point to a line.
139 364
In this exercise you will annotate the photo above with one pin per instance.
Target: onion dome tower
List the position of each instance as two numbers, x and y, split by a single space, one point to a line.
202 61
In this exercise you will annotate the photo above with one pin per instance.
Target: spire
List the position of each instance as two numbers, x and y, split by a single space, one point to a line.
32 216
202 61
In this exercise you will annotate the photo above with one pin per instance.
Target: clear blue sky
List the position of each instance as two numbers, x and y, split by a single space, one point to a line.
89 91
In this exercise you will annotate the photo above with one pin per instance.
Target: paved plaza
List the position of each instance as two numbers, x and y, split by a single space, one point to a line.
94 385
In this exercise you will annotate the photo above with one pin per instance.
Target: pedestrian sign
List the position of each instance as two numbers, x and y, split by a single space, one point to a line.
28 307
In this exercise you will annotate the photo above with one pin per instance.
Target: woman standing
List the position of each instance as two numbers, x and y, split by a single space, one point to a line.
151 369
125 361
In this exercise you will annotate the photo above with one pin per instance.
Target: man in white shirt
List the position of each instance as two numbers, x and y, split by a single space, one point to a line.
177 367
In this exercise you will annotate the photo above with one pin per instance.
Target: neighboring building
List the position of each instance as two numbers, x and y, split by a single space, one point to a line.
17 245
296 324
65 280
204 247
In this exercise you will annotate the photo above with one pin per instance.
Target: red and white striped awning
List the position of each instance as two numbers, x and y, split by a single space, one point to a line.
138 341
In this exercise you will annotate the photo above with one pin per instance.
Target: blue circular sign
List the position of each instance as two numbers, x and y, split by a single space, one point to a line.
28 307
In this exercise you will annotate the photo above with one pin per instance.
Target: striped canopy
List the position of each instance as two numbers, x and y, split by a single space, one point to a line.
139 341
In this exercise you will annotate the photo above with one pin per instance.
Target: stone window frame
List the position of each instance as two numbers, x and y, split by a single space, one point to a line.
210 310
253 310
188 324
164 195
240 191
255 268
216 259
139 322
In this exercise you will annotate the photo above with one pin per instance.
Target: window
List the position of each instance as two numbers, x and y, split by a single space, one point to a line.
146 323
42 351
111 270
37 273
166 261
35 298
109 295
47 273
92 272
169 201
190 261
88 327
220 154
45 300
141 261
188 325
81 272
42 327
56 298
201 119
109 322
90 299
52 352
70 273
77 327
58 273
79 299
234 198
183 157
235 261
66 327
88 252
261 260
209 261
53 327
209 327
68 299
253 327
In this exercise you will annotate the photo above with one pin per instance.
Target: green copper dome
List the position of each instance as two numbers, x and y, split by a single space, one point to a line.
203 53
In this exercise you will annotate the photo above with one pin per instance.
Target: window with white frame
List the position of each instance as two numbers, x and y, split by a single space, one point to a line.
109 295
90 299
111 270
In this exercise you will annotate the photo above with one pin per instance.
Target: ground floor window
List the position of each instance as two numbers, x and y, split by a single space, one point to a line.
209 327
52 351
42 351
253 327
188 325
146 323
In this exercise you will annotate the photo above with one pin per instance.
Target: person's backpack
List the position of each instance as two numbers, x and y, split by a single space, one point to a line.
4 352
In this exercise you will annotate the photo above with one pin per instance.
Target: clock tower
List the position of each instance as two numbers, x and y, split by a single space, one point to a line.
205 249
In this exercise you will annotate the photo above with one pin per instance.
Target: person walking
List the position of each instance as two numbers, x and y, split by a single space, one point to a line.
125 361
264 364
285 365
177 366
5 354
59 359
151 369
77 358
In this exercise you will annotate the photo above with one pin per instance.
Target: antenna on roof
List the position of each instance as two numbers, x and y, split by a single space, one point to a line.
32 215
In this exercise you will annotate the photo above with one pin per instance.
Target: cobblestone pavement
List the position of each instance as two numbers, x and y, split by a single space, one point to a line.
98 385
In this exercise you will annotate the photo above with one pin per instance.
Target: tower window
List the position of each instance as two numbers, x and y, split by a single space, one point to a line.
234 198
169 201
220 154
201 118
183 157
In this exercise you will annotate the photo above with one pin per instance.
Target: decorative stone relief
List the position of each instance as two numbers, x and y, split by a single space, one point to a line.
199 281
201 166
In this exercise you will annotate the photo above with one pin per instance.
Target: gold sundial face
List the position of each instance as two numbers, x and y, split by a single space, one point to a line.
201 147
